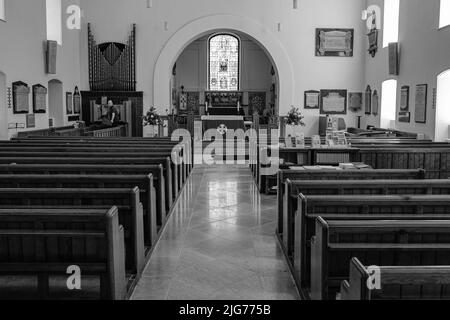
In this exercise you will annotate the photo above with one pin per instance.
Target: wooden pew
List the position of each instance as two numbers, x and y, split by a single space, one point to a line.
127 200
139 145
177 171
348 188
427 282
45 243
396 243
163 202
145 183
432 159
171 190
354 175
394 207
183 151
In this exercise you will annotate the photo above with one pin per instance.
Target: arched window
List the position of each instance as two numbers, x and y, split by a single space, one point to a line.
224 57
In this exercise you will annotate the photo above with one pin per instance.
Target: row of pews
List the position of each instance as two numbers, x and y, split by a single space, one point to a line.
377 153
98 205
378 233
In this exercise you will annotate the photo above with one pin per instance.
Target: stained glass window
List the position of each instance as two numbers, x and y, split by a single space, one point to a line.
224 63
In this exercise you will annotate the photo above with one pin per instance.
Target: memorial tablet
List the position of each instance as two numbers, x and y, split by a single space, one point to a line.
39 99
21 97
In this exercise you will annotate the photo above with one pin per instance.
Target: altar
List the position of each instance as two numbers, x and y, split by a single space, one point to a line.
223 123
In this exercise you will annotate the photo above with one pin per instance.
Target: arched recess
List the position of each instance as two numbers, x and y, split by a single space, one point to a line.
3 108
215 23
443 107
56 102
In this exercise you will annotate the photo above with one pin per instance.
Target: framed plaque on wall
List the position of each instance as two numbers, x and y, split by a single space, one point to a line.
368 101
375 103
39 99
69 103
355 101
76 101
404 117
31 121
334 42
312 99
333 102
21 97
421 103
404 99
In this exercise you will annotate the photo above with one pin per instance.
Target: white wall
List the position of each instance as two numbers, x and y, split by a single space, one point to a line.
424 54
192 66
22 39
111 21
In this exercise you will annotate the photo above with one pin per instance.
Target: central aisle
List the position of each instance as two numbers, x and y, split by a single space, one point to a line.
219 243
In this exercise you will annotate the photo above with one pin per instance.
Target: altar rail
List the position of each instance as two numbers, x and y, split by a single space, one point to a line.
70 131
120 131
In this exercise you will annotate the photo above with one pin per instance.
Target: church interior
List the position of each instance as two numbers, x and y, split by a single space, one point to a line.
272 150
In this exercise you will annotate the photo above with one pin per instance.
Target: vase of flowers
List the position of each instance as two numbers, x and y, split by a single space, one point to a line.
151 122
294 122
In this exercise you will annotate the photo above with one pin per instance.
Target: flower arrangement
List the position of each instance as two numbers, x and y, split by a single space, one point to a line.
152 118
295 117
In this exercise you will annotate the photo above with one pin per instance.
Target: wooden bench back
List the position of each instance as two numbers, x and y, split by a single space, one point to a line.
301 223
396 243
170 170
363 174
145 183
369 204
164 199
396 283
127 200
47 242
341 175
373 187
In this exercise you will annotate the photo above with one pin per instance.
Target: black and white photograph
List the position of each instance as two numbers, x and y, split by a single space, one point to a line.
234 159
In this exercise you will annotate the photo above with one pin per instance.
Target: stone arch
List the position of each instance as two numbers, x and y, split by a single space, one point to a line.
223 22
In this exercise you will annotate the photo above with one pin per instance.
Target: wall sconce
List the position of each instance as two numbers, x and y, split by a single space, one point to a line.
166 25
295 4
279 27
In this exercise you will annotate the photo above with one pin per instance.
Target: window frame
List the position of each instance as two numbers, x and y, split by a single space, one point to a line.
387 99
447 23
3 12
386 24
209 58
60 24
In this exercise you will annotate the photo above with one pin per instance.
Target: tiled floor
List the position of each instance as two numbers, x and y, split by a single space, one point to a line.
219 244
